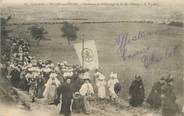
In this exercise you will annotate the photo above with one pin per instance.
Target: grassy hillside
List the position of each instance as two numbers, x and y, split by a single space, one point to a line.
161 40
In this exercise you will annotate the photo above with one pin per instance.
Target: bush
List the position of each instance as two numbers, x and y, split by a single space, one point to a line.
178 24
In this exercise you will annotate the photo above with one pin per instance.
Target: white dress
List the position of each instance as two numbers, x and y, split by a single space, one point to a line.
86 88
111 84
51 87
101 88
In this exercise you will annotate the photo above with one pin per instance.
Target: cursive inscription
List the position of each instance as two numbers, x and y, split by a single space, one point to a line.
146 55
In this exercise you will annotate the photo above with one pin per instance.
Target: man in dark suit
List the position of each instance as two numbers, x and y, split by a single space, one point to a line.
67 95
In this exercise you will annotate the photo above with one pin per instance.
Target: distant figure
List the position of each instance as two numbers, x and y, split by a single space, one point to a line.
86 91
76 85
154 98
51 88
101 83
136 92
32 88
15 76
111 84
66 92
40 86
46 72
169 106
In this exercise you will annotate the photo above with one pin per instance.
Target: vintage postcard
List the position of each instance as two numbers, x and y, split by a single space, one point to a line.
92 57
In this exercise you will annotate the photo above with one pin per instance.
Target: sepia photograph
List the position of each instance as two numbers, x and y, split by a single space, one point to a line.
91 58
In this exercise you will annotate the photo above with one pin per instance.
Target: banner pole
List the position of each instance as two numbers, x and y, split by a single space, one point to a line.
82 52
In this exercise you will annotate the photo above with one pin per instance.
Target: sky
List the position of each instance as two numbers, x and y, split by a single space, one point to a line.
167 2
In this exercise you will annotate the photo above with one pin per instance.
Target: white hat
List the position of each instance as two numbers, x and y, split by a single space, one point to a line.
62 64
113 75
65 62
101 77
86 76
52 65
47 69
53 75
68 74
70 69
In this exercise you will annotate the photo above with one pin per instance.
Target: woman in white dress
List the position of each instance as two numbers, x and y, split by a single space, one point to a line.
111 83
51 88
101 83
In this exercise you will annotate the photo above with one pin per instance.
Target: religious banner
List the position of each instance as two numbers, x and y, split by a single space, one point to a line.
87 54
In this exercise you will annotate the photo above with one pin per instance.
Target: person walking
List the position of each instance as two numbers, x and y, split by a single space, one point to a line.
154 98
101 83
111 85
169 106
136 92
86 91
65 90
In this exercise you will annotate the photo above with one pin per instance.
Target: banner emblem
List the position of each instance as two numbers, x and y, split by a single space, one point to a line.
88 54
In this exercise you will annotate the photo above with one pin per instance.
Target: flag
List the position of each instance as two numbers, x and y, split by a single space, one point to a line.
87 54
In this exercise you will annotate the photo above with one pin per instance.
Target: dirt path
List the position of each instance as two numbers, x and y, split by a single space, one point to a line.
97 110
104 108
20 105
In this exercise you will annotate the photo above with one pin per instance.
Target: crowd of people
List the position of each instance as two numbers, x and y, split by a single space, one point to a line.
61 82
75 87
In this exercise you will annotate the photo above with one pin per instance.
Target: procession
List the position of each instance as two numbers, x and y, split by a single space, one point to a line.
105 58
75 87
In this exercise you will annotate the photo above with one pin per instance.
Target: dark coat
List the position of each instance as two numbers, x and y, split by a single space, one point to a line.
169 106
67 96
136 92
40 87
117 88
154 98
77 103
15 77
76 84
24 84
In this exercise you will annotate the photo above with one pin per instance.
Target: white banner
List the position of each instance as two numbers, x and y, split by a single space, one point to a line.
87 54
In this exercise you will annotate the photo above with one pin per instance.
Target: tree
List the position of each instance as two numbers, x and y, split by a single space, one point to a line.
4 31
5 43
69 31
176 19
38 33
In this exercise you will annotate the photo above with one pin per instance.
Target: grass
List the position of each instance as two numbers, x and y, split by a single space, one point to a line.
57 49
